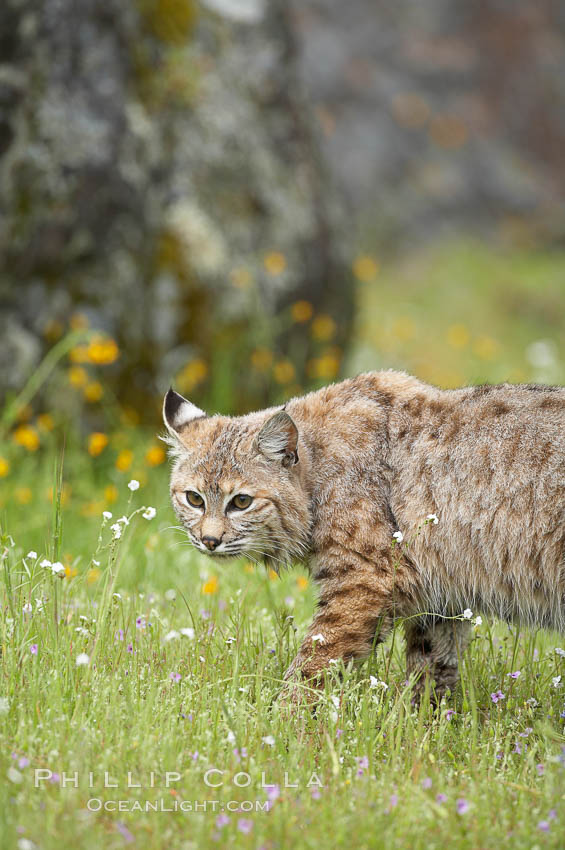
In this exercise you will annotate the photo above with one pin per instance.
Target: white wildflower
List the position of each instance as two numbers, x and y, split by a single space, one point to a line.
231 737
172 635
14 775
123 519
39 604
4 705
189 633
149 513
398 536
95 562
432 518
268 740
57 567
28 608
319 638
45 563
32 555
117 595
117 529
107 514
230 640
133 485
376 683
81 630
467 613
556 681
170 594
335 700
478 621
559 651
82 659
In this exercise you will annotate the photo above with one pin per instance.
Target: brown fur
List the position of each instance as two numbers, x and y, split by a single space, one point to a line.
373 455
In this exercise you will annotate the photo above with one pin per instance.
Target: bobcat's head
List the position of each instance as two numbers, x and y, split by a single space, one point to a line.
237 483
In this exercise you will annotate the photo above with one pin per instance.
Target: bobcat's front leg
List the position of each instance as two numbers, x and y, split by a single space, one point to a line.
359 598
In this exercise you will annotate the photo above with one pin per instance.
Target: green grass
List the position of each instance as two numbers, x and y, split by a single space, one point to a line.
457 314
123 713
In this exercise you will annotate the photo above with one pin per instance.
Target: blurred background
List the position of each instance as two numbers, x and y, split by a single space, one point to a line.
249 199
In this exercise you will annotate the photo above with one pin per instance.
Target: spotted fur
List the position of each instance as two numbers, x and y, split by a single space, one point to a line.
338 472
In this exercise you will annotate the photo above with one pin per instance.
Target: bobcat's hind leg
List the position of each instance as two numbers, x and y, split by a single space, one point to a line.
434 647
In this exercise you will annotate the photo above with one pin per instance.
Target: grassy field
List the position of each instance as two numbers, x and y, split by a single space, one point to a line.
139 680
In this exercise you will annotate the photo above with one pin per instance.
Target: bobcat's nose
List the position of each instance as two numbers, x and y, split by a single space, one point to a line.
210 542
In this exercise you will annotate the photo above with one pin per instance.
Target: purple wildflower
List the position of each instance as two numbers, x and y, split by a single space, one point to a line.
140 623
273 792
120 634
449 713
54 778
176 677
194 755
338 733
205 614
543 825
34 649
393 802
516 674
497 696
130 648
540 769
441 798
222 820
362 762
552 814
517 748
23 762
461 806
245 825
427 782
526 732
316 793
124 832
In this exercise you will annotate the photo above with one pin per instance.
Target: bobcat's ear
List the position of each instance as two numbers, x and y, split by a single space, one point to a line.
177 412
278 439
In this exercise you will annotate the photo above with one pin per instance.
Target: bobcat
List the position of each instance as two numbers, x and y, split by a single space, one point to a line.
405 501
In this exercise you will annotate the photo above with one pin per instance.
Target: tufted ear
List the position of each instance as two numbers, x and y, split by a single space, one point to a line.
178 412
278 439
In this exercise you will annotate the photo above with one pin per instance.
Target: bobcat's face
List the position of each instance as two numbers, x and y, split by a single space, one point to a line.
236 483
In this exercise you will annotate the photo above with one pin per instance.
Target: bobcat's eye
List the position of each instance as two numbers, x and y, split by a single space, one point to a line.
194 499
241 501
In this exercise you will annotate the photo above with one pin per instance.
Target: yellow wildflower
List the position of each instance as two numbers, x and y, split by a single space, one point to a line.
124 460
4 467
458 336
302 582
323 327
97 442
71 572
155 456
23 495
93 391
192 374
78 377
45 422
261 359
210 586
485 347
27 436
92 575
111 493
301 311
284 372
78 354
365 268
325 367
102 351
275 263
